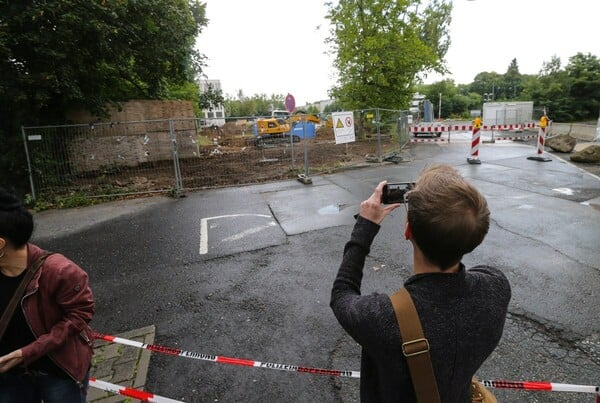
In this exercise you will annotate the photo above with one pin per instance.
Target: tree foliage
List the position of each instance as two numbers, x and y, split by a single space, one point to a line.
456 101
58 53
569 93
211 98
381 45
256 105
55 54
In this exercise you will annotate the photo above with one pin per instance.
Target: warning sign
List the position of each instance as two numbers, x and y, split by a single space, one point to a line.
343 127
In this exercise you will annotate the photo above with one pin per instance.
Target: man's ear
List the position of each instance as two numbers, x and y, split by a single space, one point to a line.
407 231
2 243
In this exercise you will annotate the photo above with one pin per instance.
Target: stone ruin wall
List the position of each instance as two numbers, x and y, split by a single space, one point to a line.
136 134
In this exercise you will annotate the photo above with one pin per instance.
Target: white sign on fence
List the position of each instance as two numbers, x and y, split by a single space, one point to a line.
343 127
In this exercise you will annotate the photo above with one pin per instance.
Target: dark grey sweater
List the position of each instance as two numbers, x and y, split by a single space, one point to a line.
462 315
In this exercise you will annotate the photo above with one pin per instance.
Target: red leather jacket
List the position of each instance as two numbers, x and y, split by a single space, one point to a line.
58 305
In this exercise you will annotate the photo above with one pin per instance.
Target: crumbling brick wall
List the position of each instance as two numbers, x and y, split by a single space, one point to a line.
135 134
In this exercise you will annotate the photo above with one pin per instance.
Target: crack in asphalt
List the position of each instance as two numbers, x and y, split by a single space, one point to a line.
545 244
588 346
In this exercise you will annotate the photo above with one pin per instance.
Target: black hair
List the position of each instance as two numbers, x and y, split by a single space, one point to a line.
16 222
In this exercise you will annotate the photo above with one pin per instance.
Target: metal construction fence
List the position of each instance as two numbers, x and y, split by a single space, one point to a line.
175 155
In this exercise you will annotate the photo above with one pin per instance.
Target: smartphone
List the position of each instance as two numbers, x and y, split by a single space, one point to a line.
394 192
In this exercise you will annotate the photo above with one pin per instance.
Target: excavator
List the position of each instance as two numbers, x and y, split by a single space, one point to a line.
272 131
276 129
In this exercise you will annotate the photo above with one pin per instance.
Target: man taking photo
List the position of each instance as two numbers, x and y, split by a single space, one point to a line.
462 312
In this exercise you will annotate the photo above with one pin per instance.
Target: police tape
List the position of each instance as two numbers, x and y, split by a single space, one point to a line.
130 392
541 386
227 360
524 385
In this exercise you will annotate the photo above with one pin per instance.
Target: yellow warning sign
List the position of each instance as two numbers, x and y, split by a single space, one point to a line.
339 124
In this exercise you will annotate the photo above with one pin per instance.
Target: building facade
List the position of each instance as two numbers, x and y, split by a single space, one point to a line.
215 116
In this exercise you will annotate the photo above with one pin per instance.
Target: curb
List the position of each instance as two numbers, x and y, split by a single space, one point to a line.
121 365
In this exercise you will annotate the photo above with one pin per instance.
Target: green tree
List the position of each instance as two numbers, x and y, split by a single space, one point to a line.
257 105
312 109
380 46
487 84
571 93
512 80
212 98
583 71
446 91
333 107
56 54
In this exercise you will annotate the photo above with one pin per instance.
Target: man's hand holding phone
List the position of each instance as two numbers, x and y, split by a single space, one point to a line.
373 210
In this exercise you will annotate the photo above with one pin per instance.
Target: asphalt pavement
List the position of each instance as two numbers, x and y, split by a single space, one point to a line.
246 272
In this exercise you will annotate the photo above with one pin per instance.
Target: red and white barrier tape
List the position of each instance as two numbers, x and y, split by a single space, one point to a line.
130 392
228 360
464 128
542 386
525 385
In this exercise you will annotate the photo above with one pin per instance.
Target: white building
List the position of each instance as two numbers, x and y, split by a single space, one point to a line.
216 116
320 105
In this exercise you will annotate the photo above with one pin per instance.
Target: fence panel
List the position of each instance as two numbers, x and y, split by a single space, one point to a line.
173 155
229 155
100 159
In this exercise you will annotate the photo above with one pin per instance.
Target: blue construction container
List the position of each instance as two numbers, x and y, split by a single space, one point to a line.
304 130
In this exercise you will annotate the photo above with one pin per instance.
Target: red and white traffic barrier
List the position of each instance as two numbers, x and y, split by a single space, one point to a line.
474 158
540 144
428 140
464 128
228 360
515 137
130 392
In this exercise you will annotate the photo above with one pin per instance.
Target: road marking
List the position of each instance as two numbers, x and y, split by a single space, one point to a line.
248 232
204 228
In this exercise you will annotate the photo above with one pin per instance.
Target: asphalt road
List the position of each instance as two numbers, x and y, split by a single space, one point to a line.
246 272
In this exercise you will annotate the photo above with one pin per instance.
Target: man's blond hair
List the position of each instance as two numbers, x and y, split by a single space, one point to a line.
448 216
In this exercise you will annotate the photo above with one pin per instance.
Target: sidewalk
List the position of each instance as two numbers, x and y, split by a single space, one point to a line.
121 365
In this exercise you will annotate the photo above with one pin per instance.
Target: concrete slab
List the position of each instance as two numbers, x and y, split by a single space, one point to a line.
321 205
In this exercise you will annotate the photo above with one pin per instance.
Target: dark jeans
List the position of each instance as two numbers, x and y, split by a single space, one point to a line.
28 388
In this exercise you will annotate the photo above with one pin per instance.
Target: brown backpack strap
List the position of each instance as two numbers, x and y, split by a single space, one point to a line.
14 301
415 348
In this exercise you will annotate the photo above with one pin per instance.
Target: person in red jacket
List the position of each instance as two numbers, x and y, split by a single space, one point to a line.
47 347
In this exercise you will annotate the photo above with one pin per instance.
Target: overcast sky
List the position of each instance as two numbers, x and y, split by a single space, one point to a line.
277 46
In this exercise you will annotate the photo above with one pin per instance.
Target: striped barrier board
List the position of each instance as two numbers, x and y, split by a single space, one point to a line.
464 128
516 137
428 140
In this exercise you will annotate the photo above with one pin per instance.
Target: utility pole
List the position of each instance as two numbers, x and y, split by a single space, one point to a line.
440 108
